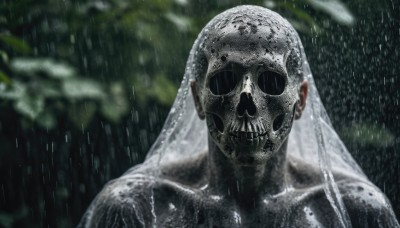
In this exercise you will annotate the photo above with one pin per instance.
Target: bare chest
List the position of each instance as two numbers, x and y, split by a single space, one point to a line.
292 210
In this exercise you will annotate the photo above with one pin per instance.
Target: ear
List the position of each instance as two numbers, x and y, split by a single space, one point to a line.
197 103
301 103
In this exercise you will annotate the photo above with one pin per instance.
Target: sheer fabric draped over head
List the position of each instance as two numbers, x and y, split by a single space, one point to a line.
185 135
312 137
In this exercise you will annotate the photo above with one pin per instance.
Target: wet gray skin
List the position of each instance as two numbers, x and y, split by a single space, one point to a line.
249 91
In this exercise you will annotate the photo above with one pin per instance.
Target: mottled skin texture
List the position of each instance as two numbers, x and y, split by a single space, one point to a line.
182 198
245 179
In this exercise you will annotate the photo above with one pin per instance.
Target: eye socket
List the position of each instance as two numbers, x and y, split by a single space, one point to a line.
223 82
271 83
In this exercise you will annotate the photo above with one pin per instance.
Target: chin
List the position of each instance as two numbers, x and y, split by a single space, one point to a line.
247 158
246 151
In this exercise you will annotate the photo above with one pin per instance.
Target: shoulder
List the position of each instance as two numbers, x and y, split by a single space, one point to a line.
123 202
366 205
190 172
133 199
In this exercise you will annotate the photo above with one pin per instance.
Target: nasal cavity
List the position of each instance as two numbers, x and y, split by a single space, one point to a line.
246 104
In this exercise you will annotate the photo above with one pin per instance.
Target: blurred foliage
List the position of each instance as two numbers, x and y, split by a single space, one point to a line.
367 134
60 55
85 87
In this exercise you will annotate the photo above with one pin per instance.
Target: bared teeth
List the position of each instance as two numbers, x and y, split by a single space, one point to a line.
246 135
243 129
249 135
248 131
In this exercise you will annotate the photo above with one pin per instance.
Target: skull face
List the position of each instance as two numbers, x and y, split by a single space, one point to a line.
250 90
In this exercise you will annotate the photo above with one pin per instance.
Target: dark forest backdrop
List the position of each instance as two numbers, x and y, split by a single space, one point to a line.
85 87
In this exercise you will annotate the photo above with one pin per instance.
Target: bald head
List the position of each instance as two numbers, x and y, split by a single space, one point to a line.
255 31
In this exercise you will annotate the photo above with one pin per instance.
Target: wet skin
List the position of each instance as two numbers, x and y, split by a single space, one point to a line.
245 179
183 197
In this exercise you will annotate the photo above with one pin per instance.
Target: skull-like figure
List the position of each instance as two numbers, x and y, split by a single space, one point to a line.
250 92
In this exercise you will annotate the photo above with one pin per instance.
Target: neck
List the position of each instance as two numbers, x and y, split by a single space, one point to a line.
247 184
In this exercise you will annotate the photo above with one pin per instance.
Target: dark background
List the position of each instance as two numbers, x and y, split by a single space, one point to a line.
85 87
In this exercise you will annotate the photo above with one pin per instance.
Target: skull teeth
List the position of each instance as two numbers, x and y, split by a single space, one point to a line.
247 131
246 135
249 135
243 129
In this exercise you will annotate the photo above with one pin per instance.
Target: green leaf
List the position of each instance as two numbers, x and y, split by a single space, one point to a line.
182 2
15 43
32 66
299 26
47 120
4 56
49 89
81 114
116 105
336 9
29 106
163 90
15 91
181 22
112 110
369 134
269 4
4 78
78 88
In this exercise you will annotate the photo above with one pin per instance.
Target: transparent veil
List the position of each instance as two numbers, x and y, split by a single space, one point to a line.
312 138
